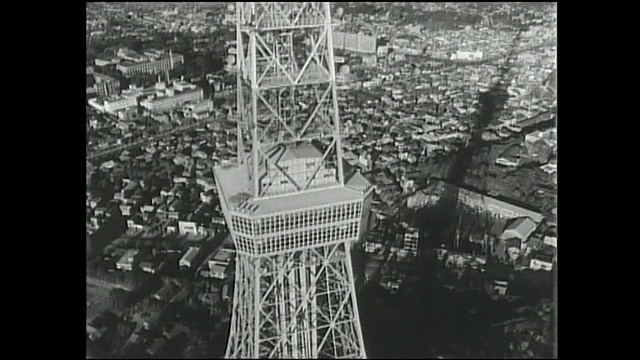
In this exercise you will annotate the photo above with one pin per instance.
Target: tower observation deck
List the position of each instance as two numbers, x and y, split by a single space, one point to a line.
293 205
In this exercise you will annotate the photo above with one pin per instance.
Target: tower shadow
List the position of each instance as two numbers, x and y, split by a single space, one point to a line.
490 103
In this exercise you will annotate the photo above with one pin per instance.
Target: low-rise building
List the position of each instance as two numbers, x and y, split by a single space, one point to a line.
541 262
223 257
200 107
551 241
126 261
550 168
189 256
150 266
164 99
373 245
104 61
219 264
521 229
218 271
95 334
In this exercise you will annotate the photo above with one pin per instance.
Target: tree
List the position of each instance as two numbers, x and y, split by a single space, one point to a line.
133 44
137 80
119 339
159 40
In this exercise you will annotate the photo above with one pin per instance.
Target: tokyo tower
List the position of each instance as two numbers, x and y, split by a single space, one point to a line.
293 205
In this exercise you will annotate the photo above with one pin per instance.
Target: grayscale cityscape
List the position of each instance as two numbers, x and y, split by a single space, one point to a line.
321 180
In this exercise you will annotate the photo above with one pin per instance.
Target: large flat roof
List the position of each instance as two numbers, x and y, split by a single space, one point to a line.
488 201
236 188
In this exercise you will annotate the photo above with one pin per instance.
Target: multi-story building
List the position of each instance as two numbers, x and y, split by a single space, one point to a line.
106 85
168 98
150 67
117 103
106 88
130 55
354 42
194 109
411 240
107 61
114 103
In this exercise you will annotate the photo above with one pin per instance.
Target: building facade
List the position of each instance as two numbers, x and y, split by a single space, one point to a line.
150 67
113 104
411 240
172 99
117 103
106 86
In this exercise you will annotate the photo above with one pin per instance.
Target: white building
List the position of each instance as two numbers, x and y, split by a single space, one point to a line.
520 229
411 240
187 227
382 51
507 162
365 160
372 246
550 167
107 61
195 109
371 83
126 261
549 136
537 264
551 241
354 42
164 99
217 271
219 264
113 104
369 60
467 55
187 258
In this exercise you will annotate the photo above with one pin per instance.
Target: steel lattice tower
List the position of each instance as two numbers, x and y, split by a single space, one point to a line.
293 206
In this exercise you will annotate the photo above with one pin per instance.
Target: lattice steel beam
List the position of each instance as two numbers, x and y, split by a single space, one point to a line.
294 294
